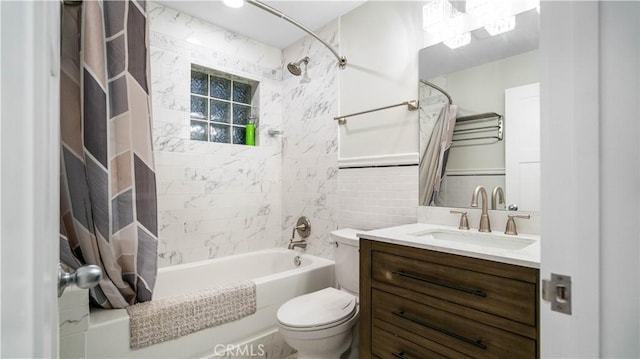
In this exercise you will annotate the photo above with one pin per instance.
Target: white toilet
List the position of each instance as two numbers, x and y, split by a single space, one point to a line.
320 325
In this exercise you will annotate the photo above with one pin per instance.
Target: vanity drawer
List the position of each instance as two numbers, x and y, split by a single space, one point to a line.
390 346
464 335
505 297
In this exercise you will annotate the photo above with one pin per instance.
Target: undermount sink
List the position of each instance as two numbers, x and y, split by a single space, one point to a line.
477 239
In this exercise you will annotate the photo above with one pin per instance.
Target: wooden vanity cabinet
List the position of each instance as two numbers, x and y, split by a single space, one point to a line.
417 303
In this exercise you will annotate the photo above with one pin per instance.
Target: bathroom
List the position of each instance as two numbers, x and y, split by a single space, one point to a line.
302 171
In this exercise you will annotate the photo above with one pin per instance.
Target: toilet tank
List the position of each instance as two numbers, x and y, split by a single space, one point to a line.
347 259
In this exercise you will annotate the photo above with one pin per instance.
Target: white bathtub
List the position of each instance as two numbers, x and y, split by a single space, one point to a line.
277 280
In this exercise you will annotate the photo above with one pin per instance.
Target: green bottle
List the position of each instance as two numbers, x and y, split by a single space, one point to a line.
250 135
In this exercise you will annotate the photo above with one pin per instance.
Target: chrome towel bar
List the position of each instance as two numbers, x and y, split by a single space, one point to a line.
412 105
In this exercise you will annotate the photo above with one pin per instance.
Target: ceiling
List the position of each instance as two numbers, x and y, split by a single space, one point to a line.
262 26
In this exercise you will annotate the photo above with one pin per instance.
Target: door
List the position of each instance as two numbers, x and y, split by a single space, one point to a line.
522 147
590 79
29 143
570 174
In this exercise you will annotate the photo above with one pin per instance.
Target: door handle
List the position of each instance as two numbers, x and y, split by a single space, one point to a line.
84 277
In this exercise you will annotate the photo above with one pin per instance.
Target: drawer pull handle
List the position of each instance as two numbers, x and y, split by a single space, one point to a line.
476 292
399 355
477 343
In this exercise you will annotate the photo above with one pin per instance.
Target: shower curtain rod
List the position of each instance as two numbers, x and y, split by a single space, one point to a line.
439 89
342 61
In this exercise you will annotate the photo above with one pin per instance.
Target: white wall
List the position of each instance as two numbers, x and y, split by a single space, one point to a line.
380 40
213 199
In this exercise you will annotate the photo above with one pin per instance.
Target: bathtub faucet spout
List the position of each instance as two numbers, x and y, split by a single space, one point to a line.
299 244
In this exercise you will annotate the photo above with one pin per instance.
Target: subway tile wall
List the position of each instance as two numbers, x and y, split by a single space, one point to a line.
377 197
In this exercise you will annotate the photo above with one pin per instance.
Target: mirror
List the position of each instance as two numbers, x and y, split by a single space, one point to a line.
494 90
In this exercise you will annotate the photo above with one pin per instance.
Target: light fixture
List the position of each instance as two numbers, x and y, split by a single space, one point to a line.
482 10
489 11
501 26
455 35
475 6
233 3
442 21
434 15
458 40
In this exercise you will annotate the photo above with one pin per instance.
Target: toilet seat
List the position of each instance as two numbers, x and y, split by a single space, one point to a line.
319 310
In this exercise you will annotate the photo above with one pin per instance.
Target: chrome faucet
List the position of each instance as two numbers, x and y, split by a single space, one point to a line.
301 243
297 244
511 224
485 226
303 226
497 197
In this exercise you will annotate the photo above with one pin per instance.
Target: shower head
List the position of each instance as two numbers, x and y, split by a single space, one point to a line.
294 67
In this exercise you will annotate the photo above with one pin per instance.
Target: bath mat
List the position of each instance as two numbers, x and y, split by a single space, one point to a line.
169 318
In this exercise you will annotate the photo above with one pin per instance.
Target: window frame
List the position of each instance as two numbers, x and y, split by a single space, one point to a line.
232 103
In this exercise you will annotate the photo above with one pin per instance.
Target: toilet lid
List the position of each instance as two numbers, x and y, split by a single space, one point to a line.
317 309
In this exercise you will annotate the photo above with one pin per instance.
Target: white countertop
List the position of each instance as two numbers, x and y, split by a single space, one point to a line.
528 256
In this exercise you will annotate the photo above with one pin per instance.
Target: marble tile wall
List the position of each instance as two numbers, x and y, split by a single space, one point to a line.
310 142
372 198
218 199
213 199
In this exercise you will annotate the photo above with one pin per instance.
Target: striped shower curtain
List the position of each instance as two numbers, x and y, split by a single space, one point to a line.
108 189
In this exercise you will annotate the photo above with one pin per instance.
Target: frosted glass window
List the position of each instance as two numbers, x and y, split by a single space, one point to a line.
199 83
219 111
198 130
241 114
220 106
199 107
220 88
241 92
219 133
239 134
